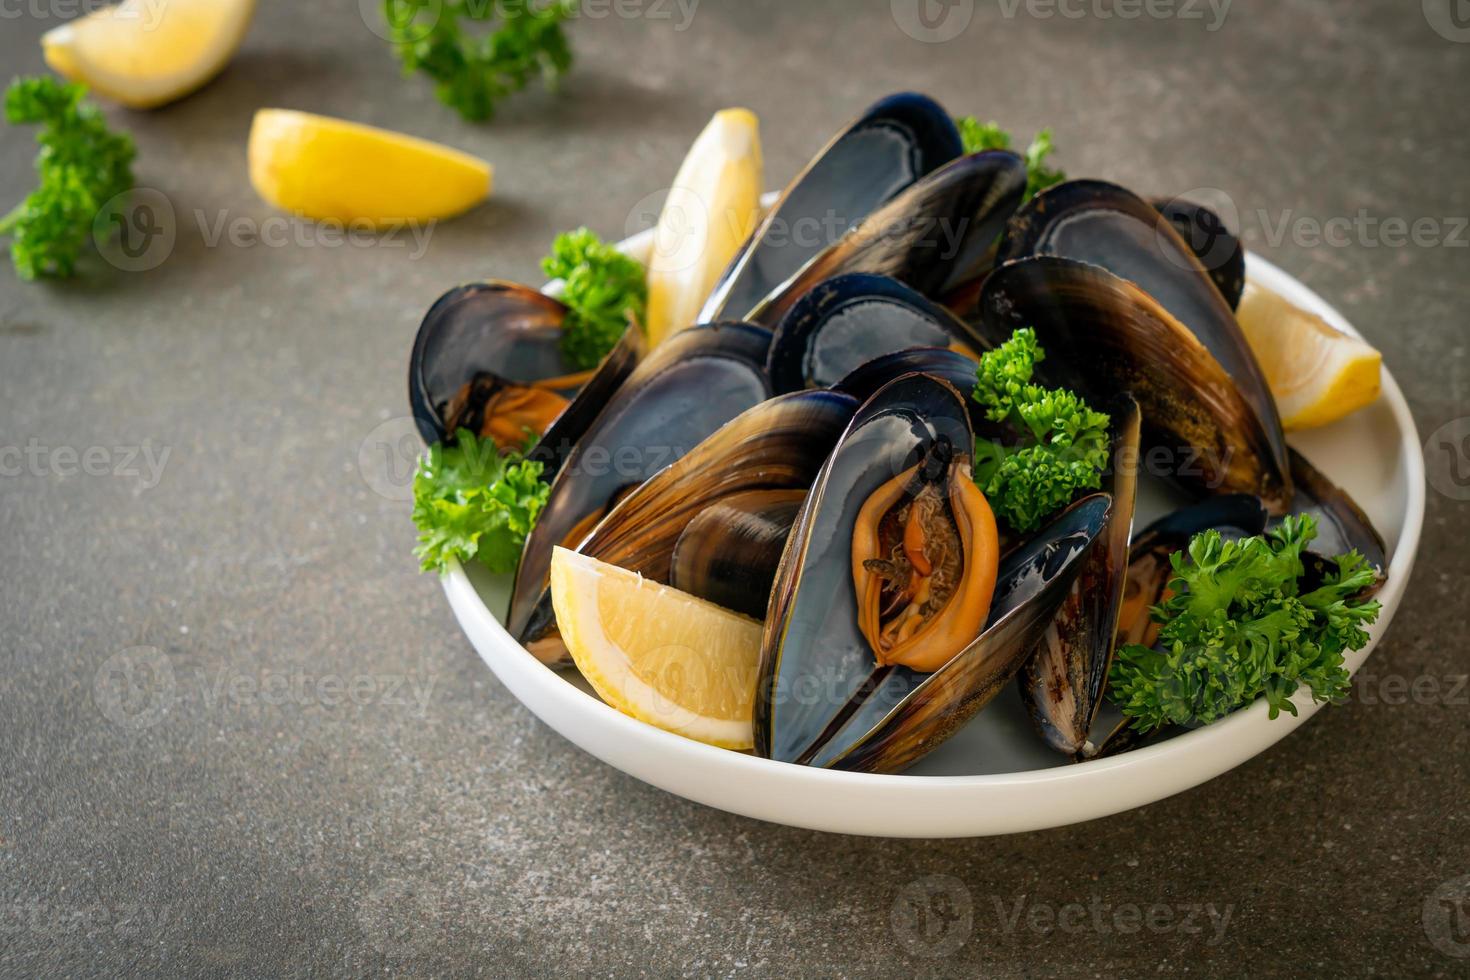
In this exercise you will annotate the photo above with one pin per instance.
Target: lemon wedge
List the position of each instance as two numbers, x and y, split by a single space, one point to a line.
655 653
144 53
711 210
332 169
1318 374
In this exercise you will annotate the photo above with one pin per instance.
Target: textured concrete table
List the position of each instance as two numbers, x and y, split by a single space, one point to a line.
307 768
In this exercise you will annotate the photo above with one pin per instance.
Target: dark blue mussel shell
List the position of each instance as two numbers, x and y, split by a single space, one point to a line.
849 320
821 699
919 237
898 141
694 383
1111 227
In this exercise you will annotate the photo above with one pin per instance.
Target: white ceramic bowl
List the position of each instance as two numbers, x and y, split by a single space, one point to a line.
995 776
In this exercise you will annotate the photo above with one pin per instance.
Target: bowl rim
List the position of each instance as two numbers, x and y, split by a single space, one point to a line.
1177 764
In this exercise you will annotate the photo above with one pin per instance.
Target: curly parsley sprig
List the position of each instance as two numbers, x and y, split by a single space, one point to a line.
472 501
604 289
474 70
978 136
82 165
1237 628
1064 444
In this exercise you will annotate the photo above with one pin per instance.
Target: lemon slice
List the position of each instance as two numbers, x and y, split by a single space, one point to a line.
711 210
1318 374
144 53
655 653
332 169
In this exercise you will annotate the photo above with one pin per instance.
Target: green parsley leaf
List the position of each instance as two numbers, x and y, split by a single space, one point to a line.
604 289
472 71
978 136
82 166
471 501
1236 629
1038 175
1064 444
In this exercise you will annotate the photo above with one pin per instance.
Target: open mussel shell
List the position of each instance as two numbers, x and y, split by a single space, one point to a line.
1342 526
693 384
1111 227
898 141
1062 684
822 699
869 378
1149 572
1215 244
556 442
1149 568
1104 334
730 552
850 320
920 236
777 446
908 715
476 343
946 364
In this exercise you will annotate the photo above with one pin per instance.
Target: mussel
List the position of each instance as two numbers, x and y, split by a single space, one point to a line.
849 320
1342 526
1111 227
730 552
488 358
890 624
714 523
693 384
556 443
1104 334
1217 246
920 236
944 363
1062 684
1149 571
896 142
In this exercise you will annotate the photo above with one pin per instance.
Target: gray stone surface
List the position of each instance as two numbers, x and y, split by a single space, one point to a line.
234 831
